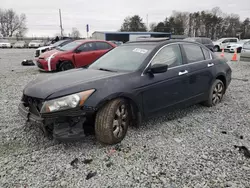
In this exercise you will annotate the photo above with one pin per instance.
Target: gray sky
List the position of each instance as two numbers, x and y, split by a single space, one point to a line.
108 15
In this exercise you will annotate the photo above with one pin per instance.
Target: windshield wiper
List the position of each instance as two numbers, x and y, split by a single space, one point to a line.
102 69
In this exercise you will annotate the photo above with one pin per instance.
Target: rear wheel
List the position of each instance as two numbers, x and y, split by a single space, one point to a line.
111 123
66 65
216 94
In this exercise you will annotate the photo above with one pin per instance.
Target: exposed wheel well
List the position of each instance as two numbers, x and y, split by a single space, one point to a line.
223 79
135 111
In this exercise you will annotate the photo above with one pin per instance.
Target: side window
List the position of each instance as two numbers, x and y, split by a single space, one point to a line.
86 47
233 40
170 55
206 54
103 46
226 41
246 45
193 53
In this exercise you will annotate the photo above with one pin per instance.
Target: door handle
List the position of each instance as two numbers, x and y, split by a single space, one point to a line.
183 72
210 64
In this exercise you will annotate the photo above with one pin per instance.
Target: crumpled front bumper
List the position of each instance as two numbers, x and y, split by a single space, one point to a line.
62 130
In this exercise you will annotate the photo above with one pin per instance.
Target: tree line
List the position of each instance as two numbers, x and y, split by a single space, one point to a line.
212 23
12 24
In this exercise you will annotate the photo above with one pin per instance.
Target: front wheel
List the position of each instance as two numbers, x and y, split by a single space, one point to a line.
66 65
216 93
216 49
111 123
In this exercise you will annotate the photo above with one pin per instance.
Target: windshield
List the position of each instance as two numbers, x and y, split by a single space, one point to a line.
20 42
123 58
59 43
70 46
220 40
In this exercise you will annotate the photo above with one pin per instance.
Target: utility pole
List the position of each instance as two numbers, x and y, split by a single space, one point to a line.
60 16
147 22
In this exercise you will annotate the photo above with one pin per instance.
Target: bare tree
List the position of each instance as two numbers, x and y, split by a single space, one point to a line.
75 33
12 24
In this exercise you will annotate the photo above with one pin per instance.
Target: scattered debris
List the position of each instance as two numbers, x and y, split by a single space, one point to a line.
112 151
109 164
241 137
27 63
178 140
118 147
91 175
244 150
87 161
74 162
224 132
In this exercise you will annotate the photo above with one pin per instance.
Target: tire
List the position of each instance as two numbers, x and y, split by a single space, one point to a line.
216 49
216 94
66 65
239 50
110 127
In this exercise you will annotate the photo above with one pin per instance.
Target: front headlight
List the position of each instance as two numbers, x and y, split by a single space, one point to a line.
68 102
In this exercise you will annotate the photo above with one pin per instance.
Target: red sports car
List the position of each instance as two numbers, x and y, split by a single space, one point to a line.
75 54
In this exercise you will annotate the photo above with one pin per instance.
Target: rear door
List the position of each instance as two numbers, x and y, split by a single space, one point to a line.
102 48
85 55
201 64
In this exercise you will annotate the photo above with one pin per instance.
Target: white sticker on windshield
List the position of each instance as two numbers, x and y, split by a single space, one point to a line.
139 50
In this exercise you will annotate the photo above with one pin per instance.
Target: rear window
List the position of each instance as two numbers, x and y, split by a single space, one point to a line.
193 53
206 41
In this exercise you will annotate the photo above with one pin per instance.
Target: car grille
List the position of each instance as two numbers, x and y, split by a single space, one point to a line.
34 104
37 53
228 46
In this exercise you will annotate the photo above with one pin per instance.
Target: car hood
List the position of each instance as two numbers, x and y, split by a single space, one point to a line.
52 52
4 42
44 47
68 82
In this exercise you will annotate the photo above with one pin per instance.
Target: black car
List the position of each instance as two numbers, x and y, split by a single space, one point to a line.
127 84
205 41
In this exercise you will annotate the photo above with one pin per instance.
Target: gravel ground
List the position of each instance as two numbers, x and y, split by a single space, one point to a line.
193 147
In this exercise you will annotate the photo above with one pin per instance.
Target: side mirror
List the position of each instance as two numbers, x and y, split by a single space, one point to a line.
77 51
158 68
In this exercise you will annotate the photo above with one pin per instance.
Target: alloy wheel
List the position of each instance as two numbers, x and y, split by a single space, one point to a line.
217 93
120 121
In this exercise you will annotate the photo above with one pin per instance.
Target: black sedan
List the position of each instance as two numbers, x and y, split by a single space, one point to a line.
124 86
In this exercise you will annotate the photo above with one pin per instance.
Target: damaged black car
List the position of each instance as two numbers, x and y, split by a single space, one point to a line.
129 83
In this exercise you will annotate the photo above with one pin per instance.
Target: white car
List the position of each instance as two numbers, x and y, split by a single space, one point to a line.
5 44
20 44
223 42
36 44
231 47
43 49
245 52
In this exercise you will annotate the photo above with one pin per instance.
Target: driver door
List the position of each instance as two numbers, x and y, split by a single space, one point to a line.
85 54
167 89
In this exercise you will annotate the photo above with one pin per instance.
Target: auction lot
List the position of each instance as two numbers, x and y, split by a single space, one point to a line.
193 147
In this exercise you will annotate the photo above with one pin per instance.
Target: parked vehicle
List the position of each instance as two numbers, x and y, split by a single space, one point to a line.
223 42
36 44
245 52
205 41
129 83
20 44
43 49
231 47
4 43
75 54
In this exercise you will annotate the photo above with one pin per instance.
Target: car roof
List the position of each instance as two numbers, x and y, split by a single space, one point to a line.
158 43
90 40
